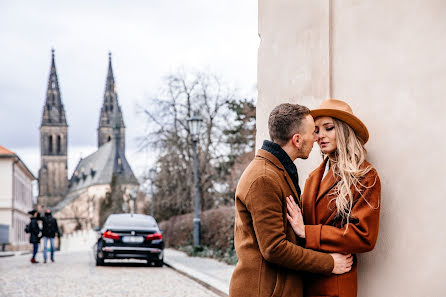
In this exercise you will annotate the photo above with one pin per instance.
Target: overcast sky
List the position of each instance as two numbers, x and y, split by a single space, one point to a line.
148 39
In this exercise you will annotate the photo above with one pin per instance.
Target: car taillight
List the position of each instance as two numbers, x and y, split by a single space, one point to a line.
155 236
110 235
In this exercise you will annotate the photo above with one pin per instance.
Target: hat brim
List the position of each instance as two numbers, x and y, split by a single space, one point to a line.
356 124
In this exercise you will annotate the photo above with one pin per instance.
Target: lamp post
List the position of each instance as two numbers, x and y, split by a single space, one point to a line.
152 174
194 128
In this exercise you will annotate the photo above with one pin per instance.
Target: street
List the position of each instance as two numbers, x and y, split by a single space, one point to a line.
75 274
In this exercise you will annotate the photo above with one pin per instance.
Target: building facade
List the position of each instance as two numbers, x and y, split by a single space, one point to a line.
15 198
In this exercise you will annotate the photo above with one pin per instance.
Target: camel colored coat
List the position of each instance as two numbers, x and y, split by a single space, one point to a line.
324 232
270 261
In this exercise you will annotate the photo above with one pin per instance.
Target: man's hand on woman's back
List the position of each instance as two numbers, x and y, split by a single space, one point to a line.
342 263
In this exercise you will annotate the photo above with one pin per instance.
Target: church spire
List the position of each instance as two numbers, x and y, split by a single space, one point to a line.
109 106
53 111
53 178
110 83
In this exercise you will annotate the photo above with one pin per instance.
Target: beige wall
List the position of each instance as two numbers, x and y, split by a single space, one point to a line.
5 183
15 198
22 203
386 58
85 208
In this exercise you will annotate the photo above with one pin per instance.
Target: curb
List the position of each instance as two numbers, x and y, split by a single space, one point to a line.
16 253
208 282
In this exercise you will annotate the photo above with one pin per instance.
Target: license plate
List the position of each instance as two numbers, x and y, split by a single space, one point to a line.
132 239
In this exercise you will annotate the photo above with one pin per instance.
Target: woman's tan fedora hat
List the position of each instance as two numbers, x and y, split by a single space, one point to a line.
342 111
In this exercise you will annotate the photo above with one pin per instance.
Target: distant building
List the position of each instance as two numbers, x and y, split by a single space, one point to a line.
15 197
76 202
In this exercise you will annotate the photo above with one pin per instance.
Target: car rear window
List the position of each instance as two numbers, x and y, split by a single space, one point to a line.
135 221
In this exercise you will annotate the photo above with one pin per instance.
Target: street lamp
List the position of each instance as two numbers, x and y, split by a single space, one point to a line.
152 174
194 128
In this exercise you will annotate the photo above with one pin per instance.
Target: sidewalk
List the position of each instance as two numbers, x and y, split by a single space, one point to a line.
211 273
14 253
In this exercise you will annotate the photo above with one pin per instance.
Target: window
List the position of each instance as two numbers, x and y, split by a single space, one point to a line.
50 144
129 221
58 144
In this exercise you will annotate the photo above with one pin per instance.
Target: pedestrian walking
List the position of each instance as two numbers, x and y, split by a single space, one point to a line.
49 231
34 230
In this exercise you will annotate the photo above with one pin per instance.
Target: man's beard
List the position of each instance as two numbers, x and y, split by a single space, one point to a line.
305 150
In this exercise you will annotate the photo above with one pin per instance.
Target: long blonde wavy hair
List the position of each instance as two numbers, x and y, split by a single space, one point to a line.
346 163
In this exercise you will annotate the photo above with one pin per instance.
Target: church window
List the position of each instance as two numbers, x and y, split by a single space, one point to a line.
50 144
58 144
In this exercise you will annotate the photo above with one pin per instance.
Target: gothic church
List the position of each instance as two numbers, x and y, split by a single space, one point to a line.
75 201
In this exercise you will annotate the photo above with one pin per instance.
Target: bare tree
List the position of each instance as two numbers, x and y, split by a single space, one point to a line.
169 137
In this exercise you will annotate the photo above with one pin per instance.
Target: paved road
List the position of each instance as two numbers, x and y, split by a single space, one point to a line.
75 274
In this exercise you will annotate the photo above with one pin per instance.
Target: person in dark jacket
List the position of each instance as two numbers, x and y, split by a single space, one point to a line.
33 229
49 231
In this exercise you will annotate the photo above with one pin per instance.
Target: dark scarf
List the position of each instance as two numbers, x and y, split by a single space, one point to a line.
286 161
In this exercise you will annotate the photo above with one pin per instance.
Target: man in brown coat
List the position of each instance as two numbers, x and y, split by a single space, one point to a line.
271 259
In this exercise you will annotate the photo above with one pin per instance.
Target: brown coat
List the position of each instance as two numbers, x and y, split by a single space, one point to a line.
324 232
270 262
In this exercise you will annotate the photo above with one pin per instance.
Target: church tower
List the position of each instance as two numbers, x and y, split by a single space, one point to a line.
53 177
105 129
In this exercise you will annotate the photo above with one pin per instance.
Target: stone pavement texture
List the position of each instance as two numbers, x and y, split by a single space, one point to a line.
75 274
210 272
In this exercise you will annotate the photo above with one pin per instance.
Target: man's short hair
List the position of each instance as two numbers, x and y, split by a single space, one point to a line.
285 120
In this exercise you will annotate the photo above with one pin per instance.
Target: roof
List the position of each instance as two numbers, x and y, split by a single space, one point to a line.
67 200
98 169
5 153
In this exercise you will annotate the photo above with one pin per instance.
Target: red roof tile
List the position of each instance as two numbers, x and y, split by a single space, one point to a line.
5 151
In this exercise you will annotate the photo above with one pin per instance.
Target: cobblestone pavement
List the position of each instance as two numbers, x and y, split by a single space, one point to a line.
75 274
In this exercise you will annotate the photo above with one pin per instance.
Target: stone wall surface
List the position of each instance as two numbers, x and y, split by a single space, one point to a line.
386 59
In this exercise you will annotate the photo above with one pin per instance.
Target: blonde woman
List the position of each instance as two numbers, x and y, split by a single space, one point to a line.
341 199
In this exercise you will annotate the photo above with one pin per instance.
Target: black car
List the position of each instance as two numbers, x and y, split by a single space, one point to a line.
130 236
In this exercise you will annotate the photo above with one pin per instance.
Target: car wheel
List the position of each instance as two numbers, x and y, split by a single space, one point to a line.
99 261
159 263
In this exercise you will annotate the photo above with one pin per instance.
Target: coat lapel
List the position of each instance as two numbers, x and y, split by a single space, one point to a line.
292 187
310 194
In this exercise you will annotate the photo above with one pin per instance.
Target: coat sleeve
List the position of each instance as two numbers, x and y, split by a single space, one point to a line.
265 204
362 231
